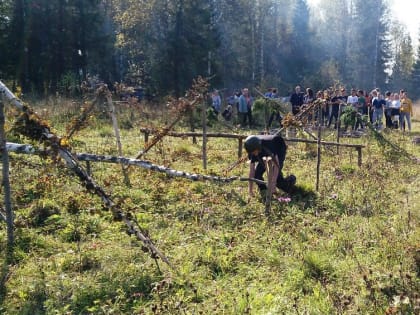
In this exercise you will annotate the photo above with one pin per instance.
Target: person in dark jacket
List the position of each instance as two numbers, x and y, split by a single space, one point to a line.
260 149
297 100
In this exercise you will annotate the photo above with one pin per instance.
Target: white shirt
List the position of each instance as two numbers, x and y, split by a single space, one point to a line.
352 99
396 104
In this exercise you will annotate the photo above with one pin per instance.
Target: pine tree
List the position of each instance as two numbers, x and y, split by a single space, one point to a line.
53 39
403 66
415 75
5 38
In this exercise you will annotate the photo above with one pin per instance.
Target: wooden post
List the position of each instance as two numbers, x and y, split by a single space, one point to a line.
146 137
318 163
117 134
191 119
338 123
9 216
268 166
240 147
359 156
204 122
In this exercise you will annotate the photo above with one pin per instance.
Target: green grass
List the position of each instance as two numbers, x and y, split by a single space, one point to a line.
351 248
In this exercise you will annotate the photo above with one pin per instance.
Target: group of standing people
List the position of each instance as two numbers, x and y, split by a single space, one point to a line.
397 108
241 101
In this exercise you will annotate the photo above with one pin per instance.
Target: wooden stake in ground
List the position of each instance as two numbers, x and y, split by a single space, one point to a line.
8 216
204 122
338 123
318 162
117 133
270 188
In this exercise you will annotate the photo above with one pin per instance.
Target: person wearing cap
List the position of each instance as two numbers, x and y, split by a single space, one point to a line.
260 148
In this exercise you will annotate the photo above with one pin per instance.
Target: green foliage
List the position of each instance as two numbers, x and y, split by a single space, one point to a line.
69 84
348 116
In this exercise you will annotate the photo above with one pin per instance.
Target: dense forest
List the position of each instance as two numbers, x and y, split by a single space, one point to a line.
50 47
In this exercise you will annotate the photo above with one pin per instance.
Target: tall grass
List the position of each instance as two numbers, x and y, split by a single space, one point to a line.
351 248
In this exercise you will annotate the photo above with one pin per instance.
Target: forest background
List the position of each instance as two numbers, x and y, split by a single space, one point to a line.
49 47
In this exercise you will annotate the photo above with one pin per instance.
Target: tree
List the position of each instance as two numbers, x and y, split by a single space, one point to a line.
168 42
55 38
332 40
415 75
298 62
5 17
370 49
403 55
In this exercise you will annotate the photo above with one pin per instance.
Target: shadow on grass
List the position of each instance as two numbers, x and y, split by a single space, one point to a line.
301 198
304 196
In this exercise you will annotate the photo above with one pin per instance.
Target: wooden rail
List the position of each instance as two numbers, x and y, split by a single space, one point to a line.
240 138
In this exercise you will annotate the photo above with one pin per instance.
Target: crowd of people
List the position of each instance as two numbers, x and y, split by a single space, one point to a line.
395 109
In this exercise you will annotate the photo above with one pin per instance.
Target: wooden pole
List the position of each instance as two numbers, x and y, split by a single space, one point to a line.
338 123
87 157
268 166
6 184
117 134
359 156
240 138
204 122
318 162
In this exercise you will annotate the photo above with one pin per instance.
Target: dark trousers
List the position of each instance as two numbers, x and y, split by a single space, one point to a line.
275 115
325 116
388 118
334 114
247 116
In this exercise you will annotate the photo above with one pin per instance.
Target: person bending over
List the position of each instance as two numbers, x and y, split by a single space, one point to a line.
260 148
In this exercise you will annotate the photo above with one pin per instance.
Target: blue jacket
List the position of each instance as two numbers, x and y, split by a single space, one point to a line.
244 107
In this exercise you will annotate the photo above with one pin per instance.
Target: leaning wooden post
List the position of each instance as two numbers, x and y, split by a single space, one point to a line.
6 184
318 163
204 122
117 133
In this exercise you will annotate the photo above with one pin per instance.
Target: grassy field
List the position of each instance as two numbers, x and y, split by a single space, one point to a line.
353 247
